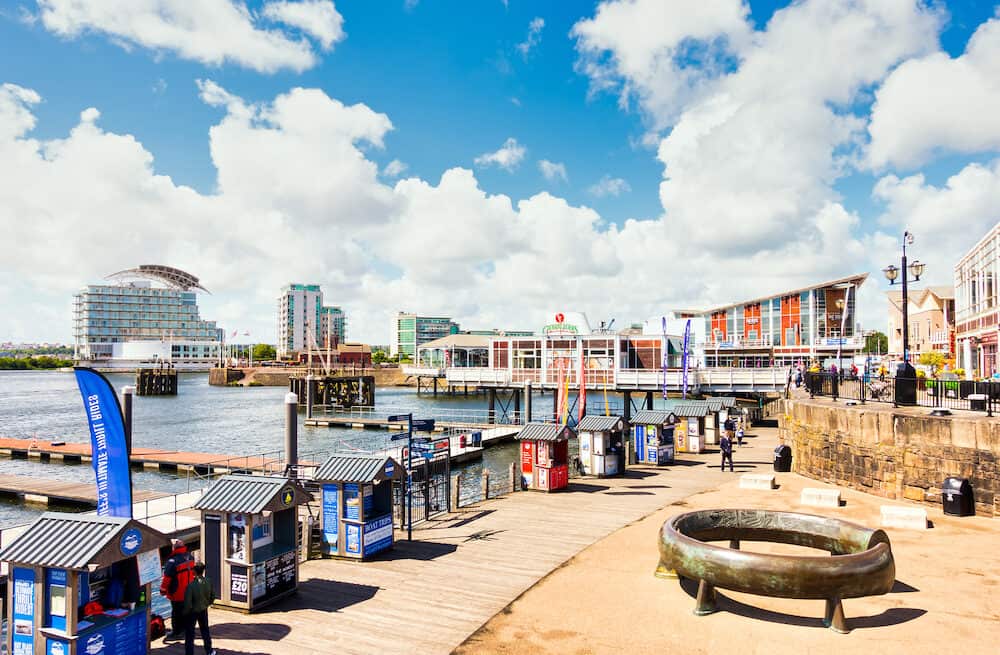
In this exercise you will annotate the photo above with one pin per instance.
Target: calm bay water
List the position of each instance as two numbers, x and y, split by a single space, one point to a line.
202 418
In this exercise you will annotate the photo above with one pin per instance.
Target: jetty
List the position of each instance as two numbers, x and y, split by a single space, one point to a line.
32 489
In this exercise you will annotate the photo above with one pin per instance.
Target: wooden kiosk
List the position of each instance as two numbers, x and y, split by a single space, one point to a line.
357 504
80 585
602 445
690 433
249 539
545 456
653 436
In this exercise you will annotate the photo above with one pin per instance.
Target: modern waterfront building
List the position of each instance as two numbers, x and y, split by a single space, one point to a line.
410 331
817 322
931 322
149 315
304 323
333 326
977 311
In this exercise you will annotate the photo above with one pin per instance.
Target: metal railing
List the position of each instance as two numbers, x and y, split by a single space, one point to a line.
965 395
729 378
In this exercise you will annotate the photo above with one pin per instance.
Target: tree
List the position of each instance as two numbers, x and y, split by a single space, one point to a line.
264 352
379 356
876 342
934 360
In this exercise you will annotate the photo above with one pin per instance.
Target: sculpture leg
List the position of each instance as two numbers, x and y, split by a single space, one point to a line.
662 571
705 604
734 544
834 618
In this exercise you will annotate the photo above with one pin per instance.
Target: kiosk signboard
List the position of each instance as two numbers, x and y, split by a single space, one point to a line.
23 612
331 518
378 535
353 538
239 584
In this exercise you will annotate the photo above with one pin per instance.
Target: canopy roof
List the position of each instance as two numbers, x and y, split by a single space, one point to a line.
174 278
359 468
252 494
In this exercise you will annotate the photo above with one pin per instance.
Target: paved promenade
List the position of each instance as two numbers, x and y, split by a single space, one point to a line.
428 596
606 599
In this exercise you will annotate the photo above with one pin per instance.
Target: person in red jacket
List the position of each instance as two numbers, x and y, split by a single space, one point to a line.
178 572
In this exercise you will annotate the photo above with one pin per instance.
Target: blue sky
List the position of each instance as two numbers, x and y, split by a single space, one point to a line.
451 78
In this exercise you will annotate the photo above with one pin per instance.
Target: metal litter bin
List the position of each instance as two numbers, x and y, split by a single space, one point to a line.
957 498
783 459
977 403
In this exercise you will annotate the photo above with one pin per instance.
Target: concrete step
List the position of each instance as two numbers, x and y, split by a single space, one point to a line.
820 497
757 481
901 516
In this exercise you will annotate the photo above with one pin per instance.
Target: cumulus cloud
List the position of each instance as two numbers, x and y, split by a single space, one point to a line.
508 157
317 18
395 168
609 186
553 171
534 36
936 102
212 32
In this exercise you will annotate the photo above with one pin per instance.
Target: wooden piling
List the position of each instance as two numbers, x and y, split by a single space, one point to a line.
486 485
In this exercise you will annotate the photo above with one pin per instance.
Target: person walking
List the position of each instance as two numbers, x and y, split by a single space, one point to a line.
197 599
726 446
739 435
178 573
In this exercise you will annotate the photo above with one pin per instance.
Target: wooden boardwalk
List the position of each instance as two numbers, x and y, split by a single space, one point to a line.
428 596
347 421
171 460
40 490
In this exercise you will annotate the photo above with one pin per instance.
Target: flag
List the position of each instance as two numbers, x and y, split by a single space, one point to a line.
684 380
109 452
560 398
582 397
247 333
235 332
665 348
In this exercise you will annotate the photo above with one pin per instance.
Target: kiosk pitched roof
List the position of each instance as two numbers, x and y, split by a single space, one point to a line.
691 409
73 541
357 468
597 423
249 494
651 417
544 432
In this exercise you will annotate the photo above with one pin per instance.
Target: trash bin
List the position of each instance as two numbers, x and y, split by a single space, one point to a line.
783 459
956 497
977 403
477 439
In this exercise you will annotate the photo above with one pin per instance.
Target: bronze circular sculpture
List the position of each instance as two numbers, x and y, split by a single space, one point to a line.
861 563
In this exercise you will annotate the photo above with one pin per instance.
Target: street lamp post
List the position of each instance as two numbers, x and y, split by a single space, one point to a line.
905 370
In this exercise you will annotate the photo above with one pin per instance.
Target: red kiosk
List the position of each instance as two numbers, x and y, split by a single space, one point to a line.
545 456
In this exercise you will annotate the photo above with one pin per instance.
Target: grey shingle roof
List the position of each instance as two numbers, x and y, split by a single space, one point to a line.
358 468
249 494
597 423
72 541
715 404
650 417
691 409
727 401
545 432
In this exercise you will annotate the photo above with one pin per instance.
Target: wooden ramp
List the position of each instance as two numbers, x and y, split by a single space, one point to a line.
429 595
32 489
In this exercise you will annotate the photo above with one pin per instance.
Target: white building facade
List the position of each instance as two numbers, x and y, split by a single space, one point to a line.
977 313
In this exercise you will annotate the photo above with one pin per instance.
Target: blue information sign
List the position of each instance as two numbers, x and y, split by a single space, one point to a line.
23 612
331 518
378 535
353 538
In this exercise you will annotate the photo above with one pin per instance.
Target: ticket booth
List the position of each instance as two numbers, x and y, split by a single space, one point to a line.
715 420
357 504
250 539
690 432
80 584
653 436
545 456
602 445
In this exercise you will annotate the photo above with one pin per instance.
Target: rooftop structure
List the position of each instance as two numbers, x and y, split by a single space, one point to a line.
174 278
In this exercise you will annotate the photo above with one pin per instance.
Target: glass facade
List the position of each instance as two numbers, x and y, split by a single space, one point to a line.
105 315
412 331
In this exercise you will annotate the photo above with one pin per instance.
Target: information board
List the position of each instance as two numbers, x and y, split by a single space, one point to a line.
352 507
279 575
23 612
352 539
149 566
331 518
125 636
239 584
378 535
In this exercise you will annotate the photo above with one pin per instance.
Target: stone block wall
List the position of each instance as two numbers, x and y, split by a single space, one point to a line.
893 453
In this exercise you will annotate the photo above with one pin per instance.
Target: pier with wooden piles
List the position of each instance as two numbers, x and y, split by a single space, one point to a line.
156 381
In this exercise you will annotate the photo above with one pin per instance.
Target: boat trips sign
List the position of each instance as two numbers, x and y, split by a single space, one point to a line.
567 323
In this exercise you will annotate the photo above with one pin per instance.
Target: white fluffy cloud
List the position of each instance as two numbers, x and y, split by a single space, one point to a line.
936 102
317 18
395 168
213 32
508 157
534 37
553 171
609 186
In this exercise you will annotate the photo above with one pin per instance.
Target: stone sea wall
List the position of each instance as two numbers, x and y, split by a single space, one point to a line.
895 453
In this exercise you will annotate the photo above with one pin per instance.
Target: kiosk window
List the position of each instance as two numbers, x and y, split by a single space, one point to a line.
237 538
262 530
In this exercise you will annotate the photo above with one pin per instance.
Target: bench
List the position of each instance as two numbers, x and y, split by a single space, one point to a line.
901 516
757 481
819 497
